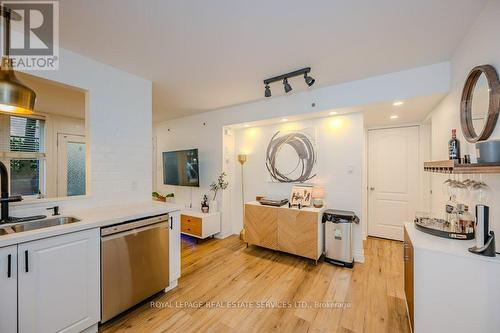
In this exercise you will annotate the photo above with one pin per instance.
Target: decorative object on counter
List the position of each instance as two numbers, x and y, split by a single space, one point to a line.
318 195
220 185
488 151
454 146
204 204
258 198
485 239
480 103
441 228
163 198
273 202
291 156
301 195
467 159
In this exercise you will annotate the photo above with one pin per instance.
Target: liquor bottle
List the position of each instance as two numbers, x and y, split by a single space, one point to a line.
454 146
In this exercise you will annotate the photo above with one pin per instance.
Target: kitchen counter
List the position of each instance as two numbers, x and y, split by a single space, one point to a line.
449 288
423 241
92 218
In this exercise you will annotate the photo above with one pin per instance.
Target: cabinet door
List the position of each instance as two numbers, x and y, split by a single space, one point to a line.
8 289
59 284
261 226
298 232
408 274
175 246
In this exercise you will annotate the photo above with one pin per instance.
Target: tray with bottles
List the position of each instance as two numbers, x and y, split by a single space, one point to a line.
463 229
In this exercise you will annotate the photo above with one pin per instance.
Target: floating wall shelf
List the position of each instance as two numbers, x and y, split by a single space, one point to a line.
449 166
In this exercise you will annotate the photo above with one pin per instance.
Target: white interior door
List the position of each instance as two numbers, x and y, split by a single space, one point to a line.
70 165
393 180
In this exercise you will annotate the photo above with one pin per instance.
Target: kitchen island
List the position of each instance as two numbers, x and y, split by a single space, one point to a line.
50 278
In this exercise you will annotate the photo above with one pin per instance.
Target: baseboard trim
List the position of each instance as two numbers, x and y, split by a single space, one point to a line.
171 286
359 256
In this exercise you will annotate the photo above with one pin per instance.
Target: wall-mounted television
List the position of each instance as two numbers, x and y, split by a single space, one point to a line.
181 168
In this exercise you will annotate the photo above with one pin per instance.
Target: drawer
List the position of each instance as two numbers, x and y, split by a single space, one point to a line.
191 225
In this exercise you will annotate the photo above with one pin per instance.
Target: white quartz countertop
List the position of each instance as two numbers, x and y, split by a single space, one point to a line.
422 241
92 218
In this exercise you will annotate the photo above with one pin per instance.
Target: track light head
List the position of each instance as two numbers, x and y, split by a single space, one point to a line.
309 80
267 92
287 86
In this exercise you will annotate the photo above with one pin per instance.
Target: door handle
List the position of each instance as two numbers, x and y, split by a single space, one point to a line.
26 263
9 266
372 188
171 222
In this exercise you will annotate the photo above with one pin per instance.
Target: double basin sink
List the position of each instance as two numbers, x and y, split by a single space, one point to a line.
13 228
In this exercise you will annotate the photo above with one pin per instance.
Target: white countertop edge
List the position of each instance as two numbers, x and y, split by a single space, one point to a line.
422 241
92 218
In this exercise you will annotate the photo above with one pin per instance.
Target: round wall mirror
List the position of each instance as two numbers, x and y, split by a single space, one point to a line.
480 104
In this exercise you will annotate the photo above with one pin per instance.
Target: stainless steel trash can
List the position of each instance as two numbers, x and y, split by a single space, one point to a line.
338 236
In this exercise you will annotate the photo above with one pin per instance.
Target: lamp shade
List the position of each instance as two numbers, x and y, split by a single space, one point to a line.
318 192
15 97
242 158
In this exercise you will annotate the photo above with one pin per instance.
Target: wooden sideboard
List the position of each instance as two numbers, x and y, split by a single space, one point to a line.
291 230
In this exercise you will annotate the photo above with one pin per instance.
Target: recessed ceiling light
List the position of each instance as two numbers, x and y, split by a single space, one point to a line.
333 113
398 103
284 119
394 116
246 125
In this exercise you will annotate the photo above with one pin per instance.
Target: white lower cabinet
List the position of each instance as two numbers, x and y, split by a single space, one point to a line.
175 247
58 283
8 289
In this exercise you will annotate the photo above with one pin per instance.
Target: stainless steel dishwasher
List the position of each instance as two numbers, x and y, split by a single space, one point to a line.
134 260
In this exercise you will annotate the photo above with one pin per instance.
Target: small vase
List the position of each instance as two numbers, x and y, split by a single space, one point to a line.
214 206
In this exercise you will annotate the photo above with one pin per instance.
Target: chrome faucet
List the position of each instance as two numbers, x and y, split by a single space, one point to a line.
4 197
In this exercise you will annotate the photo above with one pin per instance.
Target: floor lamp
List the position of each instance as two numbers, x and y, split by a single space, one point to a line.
242 158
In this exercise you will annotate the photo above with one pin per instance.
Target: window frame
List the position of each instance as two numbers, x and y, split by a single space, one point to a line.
7 156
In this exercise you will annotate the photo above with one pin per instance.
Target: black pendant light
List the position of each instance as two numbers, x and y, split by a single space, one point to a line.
15 97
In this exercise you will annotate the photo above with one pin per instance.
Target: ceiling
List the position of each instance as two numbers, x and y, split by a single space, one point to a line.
55 98
203 55
407 111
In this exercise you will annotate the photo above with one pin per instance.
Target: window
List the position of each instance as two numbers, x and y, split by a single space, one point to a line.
21 147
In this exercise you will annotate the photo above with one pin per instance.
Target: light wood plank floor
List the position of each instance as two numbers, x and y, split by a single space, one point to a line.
217 274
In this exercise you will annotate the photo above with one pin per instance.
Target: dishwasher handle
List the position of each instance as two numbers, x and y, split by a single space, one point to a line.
135 231
135 224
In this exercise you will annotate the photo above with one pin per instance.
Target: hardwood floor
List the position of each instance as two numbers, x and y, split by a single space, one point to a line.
227 287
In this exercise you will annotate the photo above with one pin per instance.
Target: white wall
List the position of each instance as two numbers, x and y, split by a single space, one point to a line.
480 46
206 131
340 146
119 131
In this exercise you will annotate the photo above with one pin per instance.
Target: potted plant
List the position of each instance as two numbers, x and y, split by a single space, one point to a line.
204 204
163 198
220 184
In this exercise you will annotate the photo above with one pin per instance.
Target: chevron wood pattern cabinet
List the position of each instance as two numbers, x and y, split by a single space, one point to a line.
290 230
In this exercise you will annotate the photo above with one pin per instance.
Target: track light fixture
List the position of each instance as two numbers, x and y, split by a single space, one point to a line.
304 71
286 85
309 80
267 92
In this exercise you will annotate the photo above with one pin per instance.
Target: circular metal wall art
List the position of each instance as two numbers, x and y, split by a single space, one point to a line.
302 144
